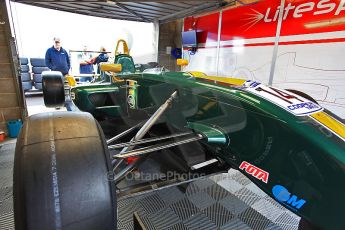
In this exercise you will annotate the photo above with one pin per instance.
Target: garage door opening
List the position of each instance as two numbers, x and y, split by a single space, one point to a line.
83 37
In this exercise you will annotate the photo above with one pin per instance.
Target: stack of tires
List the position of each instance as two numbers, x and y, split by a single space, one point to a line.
38 66
25 74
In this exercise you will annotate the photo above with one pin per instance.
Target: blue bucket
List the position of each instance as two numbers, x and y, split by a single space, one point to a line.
14 127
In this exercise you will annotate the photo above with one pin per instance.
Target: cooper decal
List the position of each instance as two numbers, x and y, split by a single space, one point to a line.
291 102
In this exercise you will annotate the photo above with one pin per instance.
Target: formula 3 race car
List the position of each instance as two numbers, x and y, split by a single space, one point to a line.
67 175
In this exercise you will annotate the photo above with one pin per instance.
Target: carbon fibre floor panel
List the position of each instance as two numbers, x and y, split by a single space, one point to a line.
225 201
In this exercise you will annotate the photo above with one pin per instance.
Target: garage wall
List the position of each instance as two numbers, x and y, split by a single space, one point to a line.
310 51
169 36
11 100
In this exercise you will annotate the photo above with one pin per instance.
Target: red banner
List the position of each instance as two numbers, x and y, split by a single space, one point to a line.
259 20
299 17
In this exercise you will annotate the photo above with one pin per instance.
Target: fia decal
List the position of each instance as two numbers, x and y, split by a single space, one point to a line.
284 196
254 171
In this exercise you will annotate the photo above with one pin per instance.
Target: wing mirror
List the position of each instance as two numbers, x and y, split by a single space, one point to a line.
182 62
115 68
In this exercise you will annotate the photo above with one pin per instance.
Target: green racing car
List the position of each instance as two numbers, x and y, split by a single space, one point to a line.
282 140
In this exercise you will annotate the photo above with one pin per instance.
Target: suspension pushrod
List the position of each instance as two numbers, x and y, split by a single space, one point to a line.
118 136
147 140
147 126
150 122
149 149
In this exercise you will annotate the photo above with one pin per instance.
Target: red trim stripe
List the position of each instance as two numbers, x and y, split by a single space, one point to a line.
315 41
252 44
303 42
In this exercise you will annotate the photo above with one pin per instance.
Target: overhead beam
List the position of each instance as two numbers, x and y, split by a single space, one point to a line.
95 1
206 7
189 11
132 12
111 15
111 9
137 10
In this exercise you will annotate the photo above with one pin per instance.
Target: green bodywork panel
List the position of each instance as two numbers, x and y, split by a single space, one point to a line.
127 63
305 162
97 99
214 135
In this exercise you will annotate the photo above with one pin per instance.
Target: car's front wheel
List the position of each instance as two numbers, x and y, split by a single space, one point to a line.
60 174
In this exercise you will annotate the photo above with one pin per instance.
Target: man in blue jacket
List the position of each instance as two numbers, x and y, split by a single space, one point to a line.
57 58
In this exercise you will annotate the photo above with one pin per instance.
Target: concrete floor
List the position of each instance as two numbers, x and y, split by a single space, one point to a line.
35 104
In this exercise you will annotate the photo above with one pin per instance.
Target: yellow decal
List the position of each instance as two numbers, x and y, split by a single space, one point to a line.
111 67
182 62
228 80
71 81
336 126
198 74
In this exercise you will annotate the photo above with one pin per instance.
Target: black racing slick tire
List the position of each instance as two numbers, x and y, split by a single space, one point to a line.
38 85
25 77
299 93
53 89
37 78
24 61
38 62
60 174
39 70
24 68
27 85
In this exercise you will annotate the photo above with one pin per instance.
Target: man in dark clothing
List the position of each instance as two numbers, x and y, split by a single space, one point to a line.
57 58
102 57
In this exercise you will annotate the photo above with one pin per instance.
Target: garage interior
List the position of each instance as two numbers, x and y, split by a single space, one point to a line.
228 200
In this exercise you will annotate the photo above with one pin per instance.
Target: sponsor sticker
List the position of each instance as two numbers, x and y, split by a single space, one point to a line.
284 196
297 10
291 102
254 171
132 94
72 96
